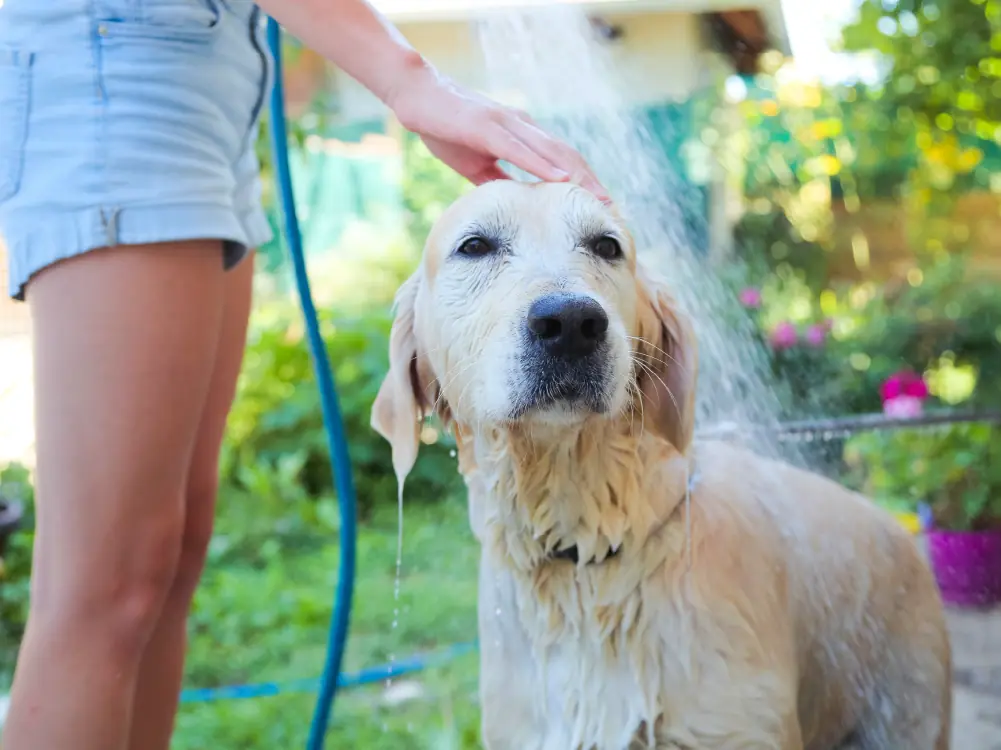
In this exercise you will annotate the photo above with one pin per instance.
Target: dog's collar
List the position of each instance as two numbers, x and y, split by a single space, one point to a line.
573 555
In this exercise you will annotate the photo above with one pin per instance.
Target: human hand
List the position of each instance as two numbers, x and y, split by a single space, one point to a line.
471 133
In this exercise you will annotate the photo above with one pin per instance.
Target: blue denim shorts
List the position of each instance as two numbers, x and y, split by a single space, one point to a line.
129 122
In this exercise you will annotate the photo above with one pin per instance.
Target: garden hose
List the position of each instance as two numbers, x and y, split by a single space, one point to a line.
337 442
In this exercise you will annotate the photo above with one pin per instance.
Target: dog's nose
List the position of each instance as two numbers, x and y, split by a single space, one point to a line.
569 326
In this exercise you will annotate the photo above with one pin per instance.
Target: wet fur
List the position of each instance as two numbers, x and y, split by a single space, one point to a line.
775 610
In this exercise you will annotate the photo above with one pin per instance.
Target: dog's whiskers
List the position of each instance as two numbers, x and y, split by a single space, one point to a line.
670 358
454 375
649 370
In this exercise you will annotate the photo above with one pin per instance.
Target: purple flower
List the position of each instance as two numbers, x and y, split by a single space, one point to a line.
784 336
816 335
750 298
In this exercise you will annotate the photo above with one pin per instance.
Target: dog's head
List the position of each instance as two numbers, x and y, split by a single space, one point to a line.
530 307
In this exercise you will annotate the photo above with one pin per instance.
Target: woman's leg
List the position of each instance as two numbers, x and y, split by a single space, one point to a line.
163 662
126 343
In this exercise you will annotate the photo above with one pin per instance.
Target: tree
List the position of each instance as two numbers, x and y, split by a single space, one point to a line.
942 88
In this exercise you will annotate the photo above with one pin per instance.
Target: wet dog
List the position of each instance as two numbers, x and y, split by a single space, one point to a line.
638 588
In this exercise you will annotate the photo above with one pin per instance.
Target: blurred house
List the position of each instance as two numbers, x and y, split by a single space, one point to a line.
663 49
666 52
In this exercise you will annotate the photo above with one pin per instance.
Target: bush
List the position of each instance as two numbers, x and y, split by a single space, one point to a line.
954 470
276 446
942 319
15 567
429 187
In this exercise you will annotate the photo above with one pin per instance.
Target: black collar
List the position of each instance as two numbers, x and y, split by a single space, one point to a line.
571 554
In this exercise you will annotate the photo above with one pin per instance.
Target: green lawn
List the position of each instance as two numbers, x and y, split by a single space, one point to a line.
262 614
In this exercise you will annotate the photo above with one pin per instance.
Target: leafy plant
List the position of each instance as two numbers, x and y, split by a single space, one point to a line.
429 187
276 446
946 314
15 566
954 470
941 318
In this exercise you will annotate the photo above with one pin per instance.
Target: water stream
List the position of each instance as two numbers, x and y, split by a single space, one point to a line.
553 58
565 75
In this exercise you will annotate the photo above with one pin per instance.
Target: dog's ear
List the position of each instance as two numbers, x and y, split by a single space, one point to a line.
403 399
669 356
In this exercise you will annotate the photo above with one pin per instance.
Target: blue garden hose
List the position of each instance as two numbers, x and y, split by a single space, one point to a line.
337 441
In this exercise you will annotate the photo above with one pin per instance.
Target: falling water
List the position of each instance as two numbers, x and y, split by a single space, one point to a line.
396 578
552 56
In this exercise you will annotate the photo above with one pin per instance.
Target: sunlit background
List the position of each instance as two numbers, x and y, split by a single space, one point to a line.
834 171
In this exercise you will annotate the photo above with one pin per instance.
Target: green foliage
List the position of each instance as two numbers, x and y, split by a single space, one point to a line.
926 131
15 566
955 470
945 319
767 241
262 614
942 97
429 187
276 446
948 315
944 57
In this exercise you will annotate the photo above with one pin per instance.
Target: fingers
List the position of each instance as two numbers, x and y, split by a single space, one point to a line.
504 144
488 174
557 153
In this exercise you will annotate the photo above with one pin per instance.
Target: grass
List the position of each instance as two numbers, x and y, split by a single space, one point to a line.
262 614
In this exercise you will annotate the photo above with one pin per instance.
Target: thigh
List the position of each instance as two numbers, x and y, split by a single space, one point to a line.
125 344
204 469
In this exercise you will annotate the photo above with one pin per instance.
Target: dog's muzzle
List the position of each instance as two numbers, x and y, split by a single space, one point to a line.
566 352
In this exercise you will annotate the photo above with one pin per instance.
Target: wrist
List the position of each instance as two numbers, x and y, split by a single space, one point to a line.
410 72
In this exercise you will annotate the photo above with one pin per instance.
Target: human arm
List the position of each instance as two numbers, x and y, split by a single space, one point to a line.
467 131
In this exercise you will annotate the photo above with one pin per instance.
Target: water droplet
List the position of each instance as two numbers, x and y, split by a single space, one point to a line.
452 453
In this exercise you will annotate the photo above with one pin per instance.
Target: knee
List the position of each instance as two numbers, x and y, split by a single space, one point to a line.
195 541
117 602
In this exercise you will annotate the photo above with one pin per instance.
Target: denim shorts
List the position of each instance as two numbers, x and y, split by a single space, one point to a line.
129 122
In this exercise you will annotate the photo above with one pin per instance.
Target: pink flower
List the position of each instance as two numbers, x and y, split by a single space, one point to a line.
903 395
904 383
816 335
784 336
750 298
903 407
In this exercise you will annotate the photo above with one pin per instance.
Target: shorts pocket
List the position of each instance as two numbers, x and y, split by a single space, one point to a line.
15 98
185 21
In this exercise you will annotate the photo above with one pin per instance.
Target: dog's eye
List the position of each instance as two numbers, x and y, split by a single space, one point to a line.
475 247
607 248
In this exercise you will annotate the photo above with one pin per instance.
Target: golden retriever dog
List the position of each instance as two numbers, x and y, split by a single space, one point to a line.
640 588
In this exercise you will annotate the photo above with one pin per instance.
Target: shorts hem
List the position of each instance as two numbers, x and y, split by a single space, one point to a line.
38 240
